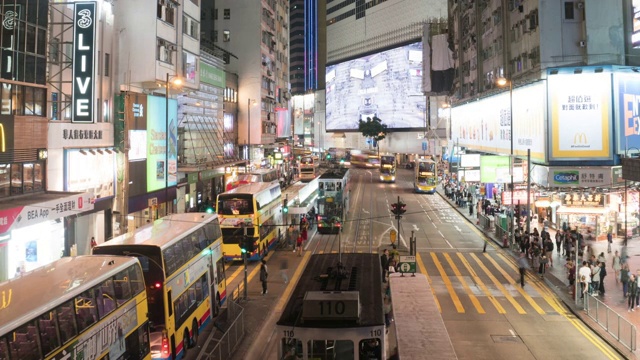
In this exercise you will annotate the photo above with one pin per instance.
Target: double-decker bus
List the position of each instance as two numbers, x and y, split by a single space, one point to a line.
308 167
84 307
365 160
388 168
426 179
253 210
181 258
255 176
333 202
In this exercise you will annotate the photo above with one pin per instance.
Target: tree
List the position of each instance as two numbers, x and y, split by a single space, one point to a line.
374 129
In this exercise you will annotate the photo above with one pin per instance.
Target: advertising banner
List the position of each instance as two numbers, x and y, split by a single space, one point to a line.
212 75
580 177
485 124
580 116
84 35
628 112
92 173
470 160
157 152
495 169
519 197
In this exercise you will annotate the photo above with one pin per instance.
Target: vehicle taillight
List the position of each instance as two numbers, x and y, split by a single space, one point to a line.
165 344
157 285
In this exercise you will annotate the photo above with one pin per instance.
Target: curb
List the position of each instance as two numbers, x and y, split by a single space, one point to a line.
586 320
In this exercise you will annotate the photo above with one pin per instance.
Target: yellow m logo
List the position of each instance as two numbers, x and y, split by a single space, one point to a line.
3 136
580 138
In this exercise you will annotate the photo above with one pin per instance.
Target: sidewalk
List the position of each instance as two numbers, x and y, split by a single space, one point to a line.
556 277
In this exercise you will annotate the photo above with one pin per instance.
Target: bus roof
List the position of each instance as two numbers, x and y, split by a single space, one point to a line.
252 188
334 174
163 231
33 293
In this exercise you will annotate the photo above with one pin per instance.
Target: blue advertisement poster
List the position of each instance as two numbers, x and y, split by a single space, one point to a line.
628 112
157 155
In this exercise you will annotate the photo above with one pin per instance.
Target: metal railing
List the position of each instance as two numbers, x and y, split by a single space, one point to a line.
238 293
501 233
484 221
226 344
616 325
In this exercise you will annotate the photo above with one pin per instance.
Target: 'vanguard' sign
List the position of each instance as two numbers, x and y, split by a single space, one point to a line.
84 35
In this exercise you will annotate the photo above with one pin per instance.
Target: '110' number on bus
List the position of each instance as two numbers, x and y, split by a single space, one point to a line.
328 308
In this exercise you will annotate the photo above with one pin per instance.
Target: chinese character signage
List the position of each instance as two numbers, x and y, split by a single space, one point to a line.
212 75
579 177
579 113
582 199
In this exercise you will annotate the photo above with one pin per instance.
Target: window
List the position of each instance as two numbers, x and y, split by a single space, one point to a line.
105 111
214 14
54 51
4 180
16 179
49 339
196 2
66 321
107 64
166 12
227 14
226 36
568 10
215 36
163 51
189 67
190 27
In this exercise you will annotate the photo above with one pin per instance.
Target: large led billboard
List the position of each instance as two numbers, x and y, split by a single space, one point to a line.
628 112
157 169
387 84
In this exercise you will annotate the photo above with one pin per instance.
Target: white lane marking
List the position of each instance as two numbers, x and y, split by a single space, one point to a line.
415 228
457 228
512 333
448 243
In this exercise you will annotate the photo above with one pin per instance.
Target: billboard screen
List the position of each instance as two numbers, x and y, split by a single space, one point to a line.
580 116
628 112
635 33
382 85
156 143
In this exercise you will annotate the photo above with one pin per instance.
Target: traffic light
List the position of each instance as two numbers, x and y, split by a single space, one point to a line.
398 208
209 209
285 206
247 245
328 156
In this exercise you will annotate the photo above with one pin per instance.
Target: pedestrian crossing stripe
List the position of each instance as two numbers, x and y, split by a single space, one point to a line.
499 285
473 298
447 283
480 283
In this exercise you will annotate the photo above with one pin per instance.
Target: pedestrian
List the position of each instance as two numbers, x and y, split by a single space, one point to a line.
264 274
585 278
295 234
93 242
548 248
470 205
625 276
284 265
387 312
616 265
384 262
299 242
637 275
303 233
523 264
603 274
290 237
609 241
571 274
633 293
543 265
595 278
559 237
601 257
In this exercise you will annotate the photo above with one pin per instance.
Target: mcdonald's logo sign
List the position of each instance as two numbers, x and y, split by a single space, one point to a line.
3 139
580 139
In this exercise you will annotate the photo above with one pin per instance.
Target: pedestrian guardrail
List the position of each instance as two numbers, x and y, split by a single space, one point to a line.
616 325
501 233
484 221
238 293
222 347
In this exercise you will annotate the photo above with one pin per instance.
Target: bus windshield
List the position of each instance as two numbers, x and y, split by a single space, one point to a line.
426 167
235 204
426 180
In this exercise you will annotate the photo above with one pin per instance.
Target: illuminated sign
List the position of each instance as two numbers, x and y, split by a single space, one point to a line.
627 111
635 34
377 85
582 199
83 61
161 172
6 133
579 114
10 38
583 176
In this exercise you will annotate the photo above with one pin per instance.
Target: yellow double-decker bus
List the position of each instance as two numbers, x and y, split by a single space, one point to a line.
388 168
426 179
253 211
308 168
84 307
181 258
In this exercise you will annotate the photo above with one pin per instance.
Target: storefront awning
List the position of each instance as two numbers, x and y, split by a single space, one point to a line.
582 210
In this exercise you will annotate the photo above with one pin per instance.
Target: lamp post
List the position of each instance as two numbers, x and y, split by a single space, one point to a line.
176 81
249 103
504 82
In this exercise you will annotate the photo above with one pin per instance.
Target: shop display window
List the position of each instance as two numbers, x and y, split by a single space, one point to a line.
27 177
5 175
37 177
16 179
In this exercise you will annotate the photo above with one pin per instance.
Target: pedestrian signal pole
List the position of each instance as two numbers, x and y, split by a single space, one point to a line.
398 209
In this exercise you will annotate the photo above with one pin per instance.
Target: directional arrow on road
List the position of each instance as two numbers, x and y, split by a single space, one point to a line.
415 228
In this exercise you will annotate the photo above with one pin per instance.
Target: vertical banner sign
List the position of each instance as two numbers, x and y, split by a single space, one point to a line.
84 34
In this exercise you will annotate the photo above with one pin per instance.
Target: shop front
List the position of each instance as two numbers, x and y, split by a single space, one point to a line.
585 213
36 232
203 188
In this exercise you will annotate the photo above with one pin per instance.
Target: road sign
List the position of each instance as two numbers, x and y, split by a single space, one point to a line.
407 265
392 236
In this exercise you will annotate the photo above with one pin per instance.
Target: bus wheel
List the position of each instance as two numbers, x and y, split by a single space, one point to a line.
196 332
185 342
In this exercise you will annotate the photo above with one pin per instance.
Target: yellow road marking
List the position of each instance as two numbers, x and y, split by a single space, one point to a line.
235 274
472 297
499 285
553 301
321 252
423 270
447 283
480 283
519 288
294 280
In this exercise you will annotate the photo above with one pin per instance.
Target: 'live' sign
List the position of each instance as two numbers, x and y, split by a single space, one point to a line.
84 34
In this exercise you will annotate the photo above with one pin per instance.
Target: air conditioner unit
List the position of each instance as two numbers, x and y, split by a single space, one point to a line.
582 43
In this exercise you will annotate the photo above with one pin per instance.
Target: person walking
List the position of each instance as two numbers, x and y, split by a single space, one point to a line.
633 293
543 265
625 276
264 274
559 238
290 237
523 264
299 242
284 266
616 265
295 233
384 262
585 278
595 278
548 248
609 241
603 274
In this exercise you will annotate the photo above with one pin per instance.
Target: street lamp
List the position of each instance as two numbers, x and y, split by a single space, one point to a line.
250 102
503 82
177 82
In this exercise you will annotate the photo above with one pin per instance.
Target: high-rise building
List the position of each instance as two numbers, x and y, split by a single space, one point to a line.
262 66
308 44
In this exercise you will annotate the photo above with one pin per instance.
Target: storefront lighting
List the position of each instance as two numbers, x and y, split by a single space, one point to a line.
93 152
83 152
108 151
100 151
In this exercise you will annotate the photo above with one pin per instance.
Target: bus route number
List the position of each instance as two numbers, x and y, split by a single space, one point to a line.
288 334
376 333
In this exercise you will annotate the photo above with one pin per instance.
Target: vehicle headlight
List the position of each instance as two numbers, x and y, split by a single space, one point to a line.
393 178
381 177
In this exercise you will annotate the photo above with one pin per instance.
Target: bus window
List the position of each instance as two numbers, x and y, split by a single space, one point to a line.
370 349
48 334
86 311
23 343
137 344
135 278
122 288
106 299
66 322
4 349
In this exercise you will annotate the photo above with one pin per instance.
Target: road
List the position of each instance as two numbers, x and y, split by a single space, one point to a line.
486 312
